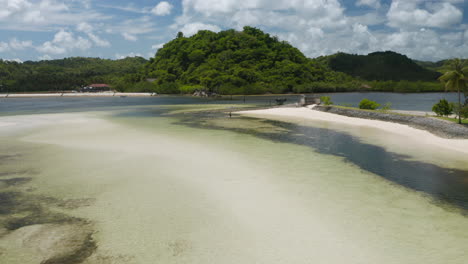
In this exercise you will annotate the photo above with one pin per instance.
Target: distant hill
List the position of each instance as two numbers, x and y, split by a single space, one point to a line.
248 61
64 74
439 66
381 66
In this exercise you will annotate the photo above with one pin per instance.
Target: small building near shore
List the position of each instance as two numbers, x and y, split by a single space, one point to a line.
96 87
309 100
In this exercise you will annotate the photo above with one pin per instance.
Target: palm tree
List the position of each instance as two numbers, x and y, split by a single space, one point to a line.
455 79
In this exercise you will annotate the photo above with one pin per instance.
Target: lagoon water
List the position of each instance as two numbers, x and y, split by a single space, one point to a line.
159 182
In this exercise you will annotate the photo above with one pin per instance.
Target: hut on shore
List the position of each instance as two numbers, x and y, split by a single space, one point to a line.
95 88
309 99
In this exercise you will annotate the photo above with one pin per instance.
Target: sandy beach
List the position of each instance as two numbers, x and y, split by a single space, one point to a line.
302 113
105 94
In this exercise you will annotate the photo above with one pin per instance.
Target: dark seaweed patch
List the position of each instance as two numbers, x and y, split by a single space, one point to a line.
15 202
15 181
446 185
40 216
20 172
86 250
21 210
74 203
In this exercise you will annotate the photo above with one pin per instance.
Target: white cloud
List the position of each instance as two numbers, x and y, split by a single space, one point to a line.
98 41
412 13
15 44
162 9
15 60
130 29
426 44
42 15
157 46
193 28
84 27
88 29
123 56
129 36
20 45
44 57
63 42
371 3
4 47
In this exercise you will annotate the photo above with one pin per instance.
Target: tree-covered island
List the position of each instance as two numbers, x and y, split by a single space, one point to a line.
228 62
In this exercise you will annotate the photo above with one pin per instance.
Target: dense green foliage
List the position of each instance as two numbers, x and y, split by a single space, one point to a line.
443 108
455 79
440 66
326 100
228 62
233 62
380 66
64 74
368 104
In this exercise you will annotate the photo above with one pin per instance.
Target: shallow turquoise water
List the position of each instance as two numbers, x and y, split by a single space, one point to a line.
173 186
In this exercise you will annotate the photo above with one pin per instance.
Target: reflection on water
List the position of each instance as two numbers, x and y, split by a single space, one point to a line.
447 185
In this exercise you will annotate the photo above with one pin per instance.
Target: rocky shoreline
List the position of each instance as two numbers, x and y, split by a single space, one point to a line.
441 128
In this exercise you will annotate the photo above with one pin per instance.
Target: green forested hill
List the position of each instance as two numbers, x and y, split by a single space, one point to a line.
439 66
380 66
64 74
230 61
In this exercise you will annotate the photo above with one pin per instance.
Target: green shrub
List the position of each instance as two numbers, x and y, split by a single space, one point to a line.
326 100
443 108
368 104
190 89
387 106
461 111
464 112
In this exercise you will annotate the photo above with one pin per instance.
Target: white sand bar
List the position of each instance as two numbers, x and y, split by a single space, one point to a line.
410 133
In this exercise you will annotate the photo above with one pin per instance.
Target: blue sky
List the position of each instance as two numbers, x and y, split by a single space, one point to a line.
50 29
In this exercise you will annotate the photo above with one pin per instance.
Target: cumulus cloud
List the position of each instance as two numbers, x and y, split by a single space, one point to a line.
130 29
44 57
63 42
157 46
129 36
404 14
162 9
14 60
193 28
89 30
371 3
38 15
4 47
320 27
15 44
123 56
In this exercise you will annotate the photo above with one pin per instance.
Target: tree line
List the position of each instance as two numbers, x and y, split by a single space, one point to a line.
229 62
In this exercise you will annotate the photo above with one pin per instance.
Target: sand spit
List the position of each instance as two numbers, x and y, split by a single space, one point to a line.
441 128
75 95
418 135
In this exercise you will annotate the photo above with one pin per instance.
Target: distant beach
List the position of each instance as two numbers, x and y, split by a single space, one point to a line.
23 95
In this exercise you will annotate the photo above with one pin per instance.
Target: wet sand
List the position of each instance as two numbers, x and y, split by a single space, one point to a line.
171 194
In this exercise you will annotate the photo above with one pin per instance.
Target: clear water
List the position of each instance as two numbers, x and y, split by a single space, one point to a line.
166 184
